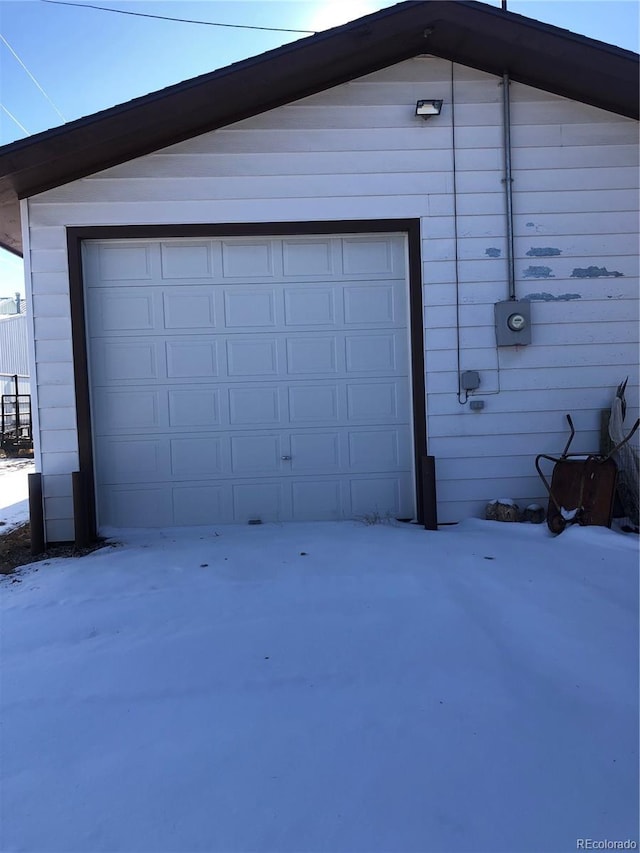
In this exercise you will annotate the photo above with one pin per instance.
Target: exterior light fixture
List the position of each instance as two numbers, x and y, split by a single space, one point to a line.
426 109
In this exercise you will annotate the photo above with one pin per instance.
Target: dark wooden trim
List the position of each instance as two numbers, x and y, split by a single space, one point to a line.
429 494
81 377
36 514
242 229
82 533
76 236
418 377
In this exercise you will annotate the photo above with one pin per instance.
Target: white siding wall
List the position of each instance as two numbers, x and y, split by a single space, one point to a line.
358 152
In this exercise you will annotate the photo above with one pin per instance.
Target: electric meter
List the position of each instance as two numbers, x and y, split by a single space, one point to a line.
513 322
516 322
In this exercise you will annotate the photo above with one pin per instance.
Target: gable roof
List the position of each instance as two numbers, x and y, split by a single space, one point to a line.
465 31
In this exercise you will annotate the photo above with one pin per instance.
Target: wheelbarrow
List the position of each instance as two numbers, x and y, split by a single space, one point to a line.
583 486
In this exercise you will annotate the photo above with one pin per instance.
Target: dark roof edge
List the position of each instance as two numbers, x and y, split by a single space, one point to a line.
465 31
295 46
168 91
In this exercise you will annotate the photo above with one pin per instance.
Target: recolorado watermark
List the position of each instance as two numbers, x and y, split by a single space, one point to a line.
605 844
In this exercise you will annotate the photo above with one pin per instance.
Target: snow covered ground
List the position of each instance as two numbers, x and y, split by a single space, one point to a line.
323 687
14 494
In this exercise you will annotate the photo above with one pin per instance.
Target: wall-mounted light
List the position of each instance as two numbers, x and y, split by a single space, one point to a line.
426 109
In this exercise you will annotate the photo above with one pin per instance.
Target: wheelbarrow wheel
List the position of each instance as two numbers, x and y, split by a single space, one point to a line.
556 524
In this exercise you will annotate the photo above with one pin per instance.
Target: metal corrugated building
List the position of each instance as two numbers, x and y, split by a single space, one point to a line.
14 353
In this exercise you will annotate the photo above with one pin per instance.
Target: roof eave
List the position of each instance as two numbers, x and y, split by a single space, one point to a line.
465 31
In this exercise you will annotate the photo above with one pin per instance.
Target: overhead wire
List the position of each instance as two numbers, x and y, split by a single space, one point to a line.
137 15
31 77
11 116
178 20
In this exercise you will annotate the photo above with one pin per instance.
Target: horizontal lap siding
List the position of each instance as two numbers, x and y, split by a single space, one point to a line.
358 152
576 259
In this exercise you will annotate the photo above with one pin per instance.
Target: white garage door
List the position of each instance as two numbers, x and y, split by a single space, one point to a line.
244 378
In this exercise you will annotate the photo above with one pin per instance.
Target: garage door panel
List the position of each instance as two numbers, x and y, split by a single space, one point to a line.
308 257
196 457
313 404
127 360
263 501
367 255
317 500
375 402
248 259
187 359
126 411
250 308
315 451
373 496
132 310
190 408
255 406
123 263
193 309
253 454
252 357
311 355
167 310
375 354
187 261
365 305
133 460
378 450
137 506
201 505
251 379
310 306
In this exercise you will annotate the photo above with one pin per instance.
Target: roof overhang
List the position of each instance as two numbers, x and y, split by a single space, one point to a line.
464 31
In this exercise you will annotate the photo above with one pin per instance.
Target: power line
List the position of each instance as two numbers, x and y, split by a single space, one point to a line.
178 20
31 76
11 116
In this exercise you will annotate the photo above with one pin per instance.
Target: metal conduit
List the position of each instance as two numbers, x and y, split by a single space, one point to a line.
508 180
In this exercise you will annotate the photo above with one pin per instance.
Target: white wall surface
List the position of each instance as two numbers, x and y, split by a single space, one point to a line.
358 152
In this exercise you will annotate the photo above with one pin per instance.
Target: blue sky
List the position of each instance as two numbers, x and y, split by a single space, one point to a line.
87 60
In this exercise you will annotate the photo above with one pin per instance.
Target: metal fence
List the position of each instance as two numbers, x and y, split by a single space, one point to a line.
8 384
16 426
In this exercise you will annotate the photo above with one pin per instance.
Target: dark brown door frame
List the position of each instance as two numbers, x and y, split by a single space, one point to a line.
76 236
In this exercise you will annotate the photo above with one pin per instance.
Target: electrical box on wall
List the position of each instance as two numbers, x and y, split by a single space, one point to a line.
513 322
469 380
